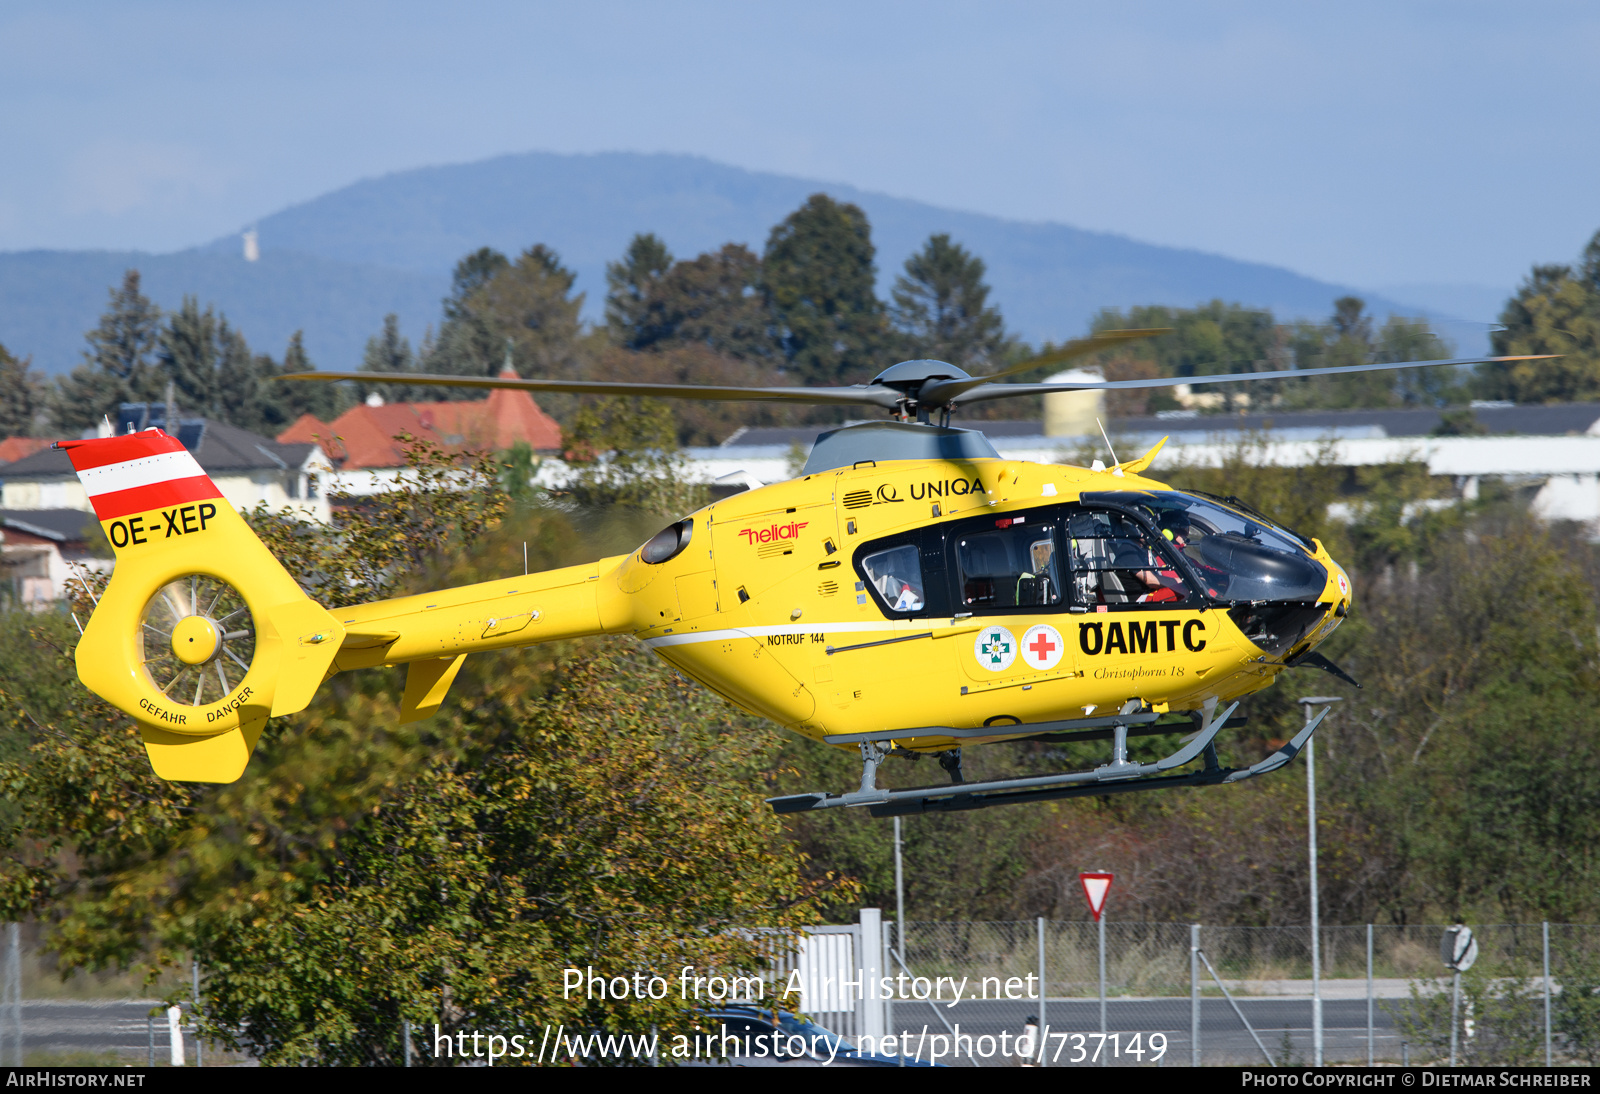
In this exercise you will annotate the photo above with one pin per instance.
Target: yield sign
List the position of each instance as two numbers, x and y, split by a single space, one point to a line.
1095 887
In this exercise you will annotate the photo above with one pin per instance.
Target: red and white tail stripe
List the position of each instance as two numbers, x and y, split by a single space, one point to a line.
138 472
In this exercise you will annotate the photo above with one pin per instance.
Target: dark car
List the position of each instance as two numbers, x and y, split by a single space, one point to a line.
755 1041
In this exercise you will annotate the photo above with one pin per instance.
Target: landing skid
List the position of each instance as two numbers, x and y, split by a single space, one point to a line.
1120 776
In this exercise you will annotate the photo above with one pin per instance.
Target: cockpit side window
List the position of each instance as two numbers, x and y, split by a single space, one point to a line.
896 575
1009 565
1115 560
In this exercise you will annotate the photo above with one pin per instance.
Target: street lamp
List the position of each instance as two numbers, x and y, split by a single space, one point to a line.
1310 703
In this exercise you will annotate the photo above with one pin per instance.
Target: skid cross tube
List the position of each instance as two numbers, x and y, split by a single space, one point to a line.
1119 776
1209 775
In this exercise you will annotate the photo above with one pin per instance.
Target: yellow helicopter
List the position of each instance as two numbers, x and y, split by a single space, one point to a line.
910 592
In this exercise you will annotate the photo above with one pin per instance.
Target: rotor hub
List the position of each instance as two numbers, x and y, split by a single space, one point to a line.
196 639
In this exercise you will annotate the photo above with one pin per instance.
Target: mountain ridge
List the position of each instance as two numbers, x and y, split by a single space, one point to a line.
335 264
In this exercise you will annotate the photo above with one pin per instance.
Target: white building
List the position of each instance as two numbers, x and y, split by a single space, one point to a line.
1554 450
248 468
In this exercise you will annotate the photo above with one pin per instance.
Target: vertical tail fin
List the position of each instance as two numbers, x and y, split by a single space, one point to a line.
201 634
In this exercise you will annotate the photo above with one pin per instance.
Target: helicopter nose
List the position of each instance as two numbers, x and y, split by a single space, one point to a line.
1341 606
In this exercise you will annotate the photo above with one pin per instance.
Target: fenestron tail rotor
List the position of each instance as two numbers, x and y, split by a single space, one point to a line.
197 640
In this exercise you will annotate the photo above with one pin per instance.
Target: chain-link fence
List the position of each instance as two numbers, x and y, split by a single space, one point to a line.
968 990
1385 995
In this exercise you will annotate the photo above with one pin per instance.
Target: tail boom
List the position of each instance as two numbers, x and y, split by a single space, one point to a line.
572 602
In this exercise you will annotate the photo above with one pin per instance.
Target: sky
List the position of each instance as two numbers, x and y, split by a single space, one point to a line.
1371 144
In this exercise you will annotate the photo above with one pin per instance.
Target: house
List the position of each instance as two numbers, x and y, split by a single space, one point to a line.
248 468
367 458
13 449
39 549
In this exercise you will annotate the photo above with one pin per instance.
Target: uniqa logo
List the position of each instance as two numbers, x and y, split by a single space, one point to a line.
776 532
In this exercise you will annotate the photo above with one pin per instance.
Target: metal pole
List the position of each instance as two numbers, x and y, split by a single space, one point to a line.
405 1031
11 1033
1316 925
1194 995
199 1060
1369 996
1455 1012
1243 1021
1102 924
888 1006
150 1031
899 894
1548 1057
899 921
1043 1024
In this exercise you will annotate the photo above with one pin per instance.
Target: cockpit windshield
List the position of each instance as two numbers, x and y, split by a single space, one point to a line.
1236 556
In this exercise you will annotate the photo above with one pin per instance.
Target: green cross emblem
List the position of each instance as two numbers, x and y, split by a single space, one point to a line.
995 648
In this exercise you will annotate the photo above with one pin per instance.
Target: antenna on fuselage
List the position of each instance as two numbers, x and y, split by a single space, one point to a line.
1116 466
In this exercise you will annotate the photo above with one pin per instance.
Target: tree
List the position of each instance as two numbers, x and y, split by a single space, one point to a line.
570 807
472 273
529 305
941 306
819 281
1556 310
630 285
624 453
713 301
1412 340
323 401
21 396
117 365
241 398
190 350
1209 339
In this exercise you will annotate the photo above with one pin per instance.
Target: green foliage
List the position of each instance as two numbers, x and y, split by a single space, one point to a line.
472 273
624 452
941 307
117 366
956 865
630 286
1575 1011
1220 338
382 542
390 351
22 396
325 402
609 823
711 301
500 314
1501 1016
206 361
188 356
819 280
1556 310
520 466
572 807
530 305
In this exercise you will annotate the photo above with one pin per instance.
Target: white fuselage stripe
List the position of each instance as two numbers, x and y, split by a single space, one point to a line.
145 471
764 632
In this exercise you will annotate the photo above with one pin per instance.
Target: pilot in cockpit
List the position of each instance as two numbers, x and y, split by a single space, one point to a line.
1034 586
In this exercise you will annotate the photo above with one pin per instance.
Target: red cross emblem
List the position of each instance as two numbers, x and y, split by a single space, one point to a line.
1041 646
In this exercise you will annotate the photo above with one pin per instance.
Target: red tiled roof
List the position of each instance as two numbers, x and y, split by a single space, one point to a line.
16 448
363 436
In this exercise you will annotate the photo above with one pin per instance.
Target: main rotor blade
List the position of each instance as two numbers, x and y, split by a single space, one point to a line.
1006 391
939 392
860 394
